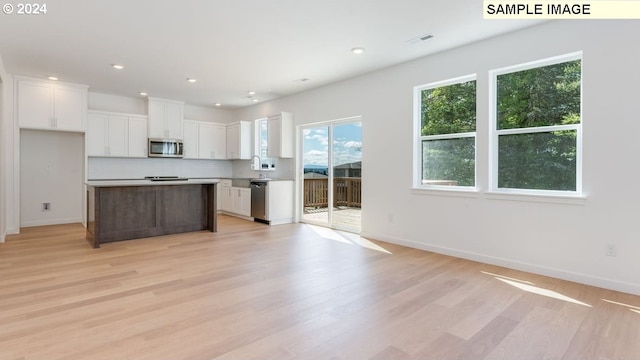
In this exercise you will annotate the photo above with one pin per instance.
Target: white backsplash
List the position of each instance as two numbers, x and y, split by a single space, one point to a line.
125 168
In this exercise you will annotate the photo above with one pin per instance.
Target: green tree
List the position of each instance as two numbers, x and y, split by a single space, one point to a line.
449 110
538 97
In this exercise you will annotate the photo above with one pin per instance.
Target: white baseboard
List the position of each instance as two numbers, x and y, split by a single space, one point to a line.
630 288
236 215
50 222
281 221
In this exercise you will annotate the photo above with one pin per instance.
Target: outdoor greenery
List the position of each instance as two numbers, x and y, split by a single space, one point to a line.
527 100
449 110
543 96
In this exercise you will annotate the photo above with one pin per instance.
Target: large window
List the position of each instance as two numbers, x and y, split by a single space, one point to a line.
446 151
536 142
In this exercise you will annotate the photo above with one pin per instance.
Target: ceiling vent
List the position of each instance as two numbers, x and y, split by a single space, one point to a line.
420 39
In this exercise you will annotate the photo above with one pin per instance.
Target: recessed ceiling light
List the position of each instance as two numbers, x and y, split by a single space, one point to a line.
191 80
142 93
254 100
52 78
252 92
218 104
357 50
117 66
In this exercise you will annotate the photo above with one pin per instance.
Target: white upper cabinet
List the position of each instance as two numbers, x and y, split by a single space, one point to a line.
138 139
190 139
97 136
204 140
212 141
165 118
239 140
116 135
50 105
280 135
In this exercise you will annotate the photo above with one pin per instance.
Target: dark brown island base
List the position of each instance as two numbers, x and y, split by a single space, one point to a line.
124 210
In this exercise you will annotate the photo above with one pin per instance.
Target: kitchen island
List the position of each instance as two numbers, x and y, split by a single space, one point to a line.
132 209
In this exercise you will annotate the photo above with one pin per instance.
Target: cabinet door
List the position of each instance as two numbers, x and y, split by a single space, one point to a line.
156 112
117 136
96 136
205 141
174 118
239 140
280 135
274 126
190 141
244 207
138 141
226 199
165 118
219 146
233 141
35 104
70 104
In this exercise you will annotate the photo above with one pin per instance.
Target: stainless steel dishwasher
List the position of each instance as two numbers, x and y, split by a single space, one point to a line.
259 200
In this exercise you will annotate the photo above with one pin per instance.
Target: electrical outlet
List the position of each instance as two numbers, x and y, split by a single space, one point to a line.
46 206
611 250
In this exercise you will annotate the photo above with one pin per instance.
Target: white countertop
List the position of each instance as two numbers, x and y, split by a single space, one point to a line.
143 182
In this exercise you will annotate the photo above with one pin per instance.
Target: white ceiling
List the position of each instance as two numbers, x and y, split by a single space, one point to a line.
231 46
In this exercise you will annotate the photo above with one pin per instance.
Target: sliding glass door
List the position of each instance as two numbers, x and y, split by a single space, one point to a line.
332 168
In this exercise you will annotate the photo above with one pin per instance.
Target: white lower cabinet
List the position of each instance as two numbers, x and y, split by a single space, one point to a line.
241 201
280 202
234 200
225 198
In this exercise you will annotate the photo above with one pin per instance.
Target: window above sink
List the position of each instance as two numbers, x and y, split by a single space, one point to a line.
261 144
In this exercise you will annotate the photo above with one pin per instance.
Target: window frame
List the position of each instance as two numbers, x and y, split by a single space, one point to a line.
419 138
495 133
257 146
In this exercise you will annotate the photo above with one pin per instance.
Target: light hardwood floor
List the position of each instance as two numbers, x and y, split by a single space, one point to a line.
290 292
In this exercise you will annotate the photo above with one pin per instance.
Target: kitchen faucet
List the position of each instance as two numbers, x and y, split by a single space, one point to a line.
260 175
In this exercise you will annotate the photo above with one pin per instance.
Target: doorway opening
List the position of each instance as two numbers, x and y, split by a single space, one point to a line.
331 161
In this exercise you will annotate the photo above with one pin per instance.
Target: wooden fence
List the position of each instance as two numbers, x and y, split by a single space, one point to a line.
346 192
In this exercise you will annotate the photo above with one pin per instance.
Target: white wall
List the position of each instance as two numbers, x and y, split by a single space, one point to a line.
8 159
565 240
3 228
51 170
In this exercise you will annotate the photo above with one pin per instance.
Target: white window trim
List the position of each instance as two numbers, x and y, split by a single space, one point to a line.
494 133
418 186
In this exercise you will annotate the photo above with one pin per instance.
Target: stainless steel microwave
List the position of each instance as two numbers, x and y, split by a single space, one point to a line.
165 148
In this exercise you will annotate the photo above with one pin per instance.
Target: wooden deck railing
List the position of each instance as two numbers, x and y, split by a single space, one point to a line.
346 192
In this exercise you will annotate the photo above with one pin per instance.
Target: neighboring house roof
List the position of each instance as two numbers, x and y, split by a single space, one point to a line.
353 165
